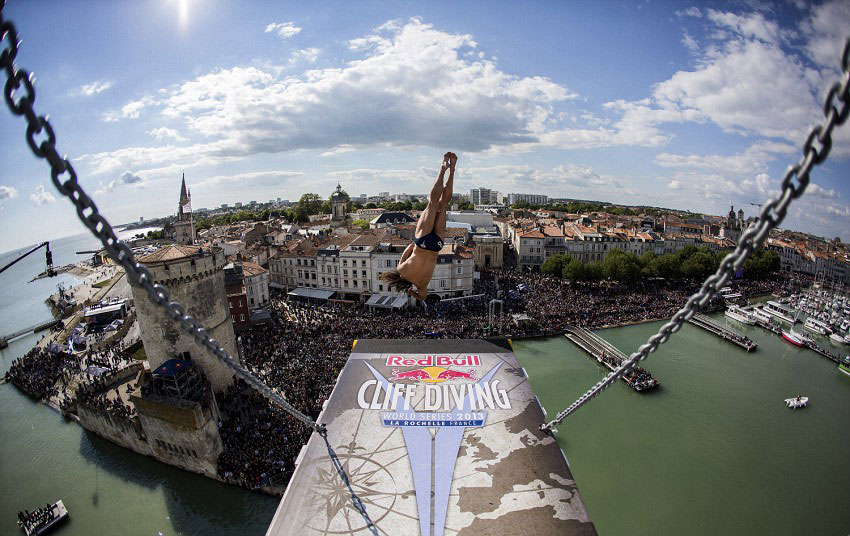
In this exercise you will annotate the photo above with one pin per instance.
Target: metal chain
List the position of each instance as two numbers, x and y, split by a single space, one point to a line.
772 213
20 81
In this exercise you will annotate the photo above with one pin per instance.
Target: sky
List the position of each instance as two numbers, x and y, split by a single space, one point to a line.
687 106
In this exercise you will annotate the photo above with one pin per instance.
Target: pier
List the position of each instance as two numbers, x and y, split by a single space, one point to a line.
609 356
4 341
706 323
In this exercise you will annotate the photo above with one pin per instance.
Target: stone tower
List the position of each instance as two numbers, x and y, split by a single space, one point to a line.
184 227
339 204
195 277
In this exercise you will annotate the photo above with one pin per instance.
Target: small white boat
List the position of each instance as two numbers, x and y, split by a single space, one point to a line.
836 338
741 315
761 316
817 326
780 311
797 402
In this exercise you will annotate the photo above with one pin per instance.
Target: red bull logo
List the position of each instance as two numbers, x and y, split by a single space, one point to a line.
446 361
433 375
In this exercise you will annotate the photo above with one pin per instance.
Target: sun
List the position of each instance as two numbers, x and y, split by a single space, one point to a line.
183 11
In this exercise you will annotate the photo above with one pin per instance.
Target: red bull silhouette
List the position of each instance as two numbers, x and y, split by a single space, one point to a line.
417 374
449 374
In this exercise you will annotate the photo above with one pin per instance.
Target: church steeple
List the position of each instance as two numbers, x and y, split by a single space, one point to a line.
184 227
184 194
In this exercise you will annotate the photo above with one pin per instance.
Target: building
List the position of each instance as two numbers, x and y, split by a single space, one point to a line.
237 298
390 219
184 227
256 280
195 277
531 199
489 251
483 196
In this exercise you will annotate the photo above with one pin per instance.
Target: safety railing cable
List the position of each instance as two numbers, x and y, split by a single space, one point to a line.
88 213
772 213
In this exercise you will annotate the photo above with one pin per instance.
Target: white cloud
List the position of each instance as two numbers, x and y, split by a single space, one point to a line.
42 196
674 185
817 191
250 179
305 54
7 192
105 188
754 159
165 133
825 31
690 43
752 25
283 29
412 87
129 178
94 88
690 12
131 110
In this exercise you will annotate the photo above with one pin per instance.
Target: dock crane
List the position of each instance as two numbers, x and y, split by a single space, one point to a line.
49 256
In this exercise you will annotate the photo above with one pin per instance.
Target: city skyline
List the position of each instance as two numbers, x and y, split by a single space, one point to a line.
687 108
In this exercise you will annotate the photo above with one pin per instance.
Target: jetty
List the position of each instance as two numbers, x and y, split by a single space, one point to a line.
609 356
4 341
701 321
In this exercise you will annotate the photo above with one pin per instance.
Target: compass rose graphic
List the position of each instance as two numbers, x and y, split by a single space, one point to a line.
372 482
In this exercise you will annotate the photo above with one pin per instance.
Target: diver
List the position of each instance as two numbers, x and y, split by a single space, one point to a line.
416 266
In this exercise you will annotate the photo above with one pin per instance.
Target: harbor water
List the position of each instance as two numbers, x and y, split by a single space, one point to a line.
714 450
107 489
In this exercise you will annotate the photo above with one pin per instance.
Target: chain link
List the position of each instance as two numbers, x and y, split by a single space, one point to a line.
92 218
794 183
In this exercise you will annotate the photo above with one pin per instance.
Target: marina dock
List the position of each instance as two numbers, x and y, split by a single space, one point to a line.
608 355
436 437
706 323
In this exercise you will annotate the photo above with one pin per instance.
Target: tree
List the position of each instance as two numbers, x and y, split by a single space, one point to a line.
594 271
371 205
573 270
310 204
622 266
363 224
554 265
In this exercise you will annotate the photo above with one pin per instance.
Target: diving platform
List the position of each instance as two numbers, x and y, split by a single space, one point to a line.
701 321
435 437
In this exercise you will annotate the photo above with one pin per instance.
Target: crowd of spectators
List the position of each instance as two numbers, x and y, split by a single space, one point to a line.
261 442
37 371
95 395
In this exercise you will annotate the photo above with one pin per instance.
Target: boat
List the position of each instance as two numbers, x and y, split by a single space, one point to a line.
839 339
816 326
761 316
797 402
740 314
43 519
797 339
780 311
844 365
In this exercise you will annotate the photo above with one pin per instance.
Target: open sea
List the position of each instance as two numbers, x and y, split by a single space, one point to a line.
713 451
